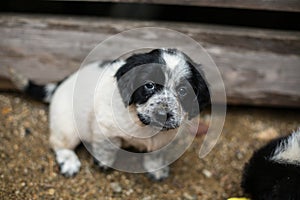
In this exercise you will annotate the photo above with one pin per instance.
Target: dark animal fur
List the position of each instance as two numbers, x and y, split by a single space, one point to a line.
264 179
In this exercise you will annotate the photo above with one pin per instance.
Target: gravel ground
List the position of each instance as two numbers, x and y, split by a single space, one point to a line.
28 169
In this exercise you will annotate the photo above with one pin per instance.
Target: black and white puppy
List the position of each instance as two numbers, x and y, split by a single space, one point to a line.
273 172
159 89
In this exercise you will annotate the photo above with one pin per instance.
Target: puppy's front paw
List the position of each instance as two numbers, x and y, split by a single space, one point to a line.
68 162
102 167
159 175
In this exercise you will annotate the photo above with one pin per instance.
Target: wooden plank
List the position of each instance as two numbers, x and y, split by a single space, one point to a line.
275 5
6 84
256 67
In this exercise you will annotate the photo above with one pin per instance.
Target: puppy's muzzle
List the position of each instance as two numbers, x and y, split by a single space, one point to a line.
162 116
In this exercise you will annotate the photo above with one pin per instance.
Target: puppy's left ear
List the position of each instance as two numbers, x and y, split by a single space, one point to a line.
201 89
126 79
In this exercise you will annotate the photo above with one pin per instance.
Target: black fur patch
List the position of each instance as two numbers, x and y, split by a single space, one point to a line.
154 74
200 87
133 94
130 85
39 92
264 179
36 91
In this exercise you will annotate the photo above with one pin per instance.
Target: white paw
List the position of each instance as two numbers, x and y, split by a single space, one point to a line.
160 174
68 162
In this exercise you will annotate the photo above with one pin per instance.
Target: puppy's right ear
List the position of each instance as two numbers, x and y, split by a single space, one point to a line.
126 78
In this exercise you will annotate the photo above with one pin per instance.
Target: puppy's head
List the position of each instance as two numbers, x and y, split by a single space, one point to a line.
165 86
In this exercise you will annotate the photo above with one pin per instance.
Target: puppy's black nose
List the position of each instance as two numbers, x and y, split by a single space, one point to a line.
162 117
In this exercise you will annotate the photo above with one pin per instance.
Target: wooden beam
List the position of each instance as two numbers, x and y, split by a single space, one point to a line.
6 84
274 5
259 67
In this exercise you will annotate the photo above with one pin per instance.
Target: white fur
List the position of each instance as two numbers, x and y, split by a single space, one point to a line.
289 150
172 60
68 161
96 122
88 107
151 163
49 90
176 68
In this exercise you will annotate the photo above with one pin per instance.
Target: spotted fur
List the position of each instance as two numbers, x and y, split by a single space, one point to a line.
273 172
159 89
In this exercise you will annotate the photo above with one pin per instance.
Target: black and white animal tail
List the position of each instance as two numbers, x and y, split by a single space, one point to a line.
273 172
39 92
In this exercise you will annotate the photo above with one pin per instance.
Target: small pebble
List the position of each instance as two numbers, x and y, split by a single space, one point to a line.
17 100
108 177
139 190
6 110
267 134
16 147
147 198
129 192
42 112
171 191
187 196
22 131
116 187
51 191
206 173
27 131
239 156
127 181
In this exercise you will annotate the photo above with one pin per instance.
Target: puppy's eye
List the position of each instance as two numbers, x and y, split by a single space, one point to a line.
149 86
182 91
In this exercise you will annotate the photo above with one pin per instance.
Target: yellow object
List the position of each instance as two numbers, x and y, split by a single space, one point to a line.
241 198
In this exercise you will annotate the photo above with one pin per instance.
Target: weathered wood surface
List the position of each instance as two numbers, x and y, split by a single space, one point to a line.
276 5
259 67
5 83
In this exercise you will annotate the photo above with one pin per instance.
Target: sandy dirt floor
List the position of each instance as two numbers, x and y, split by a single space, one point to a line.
28 169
